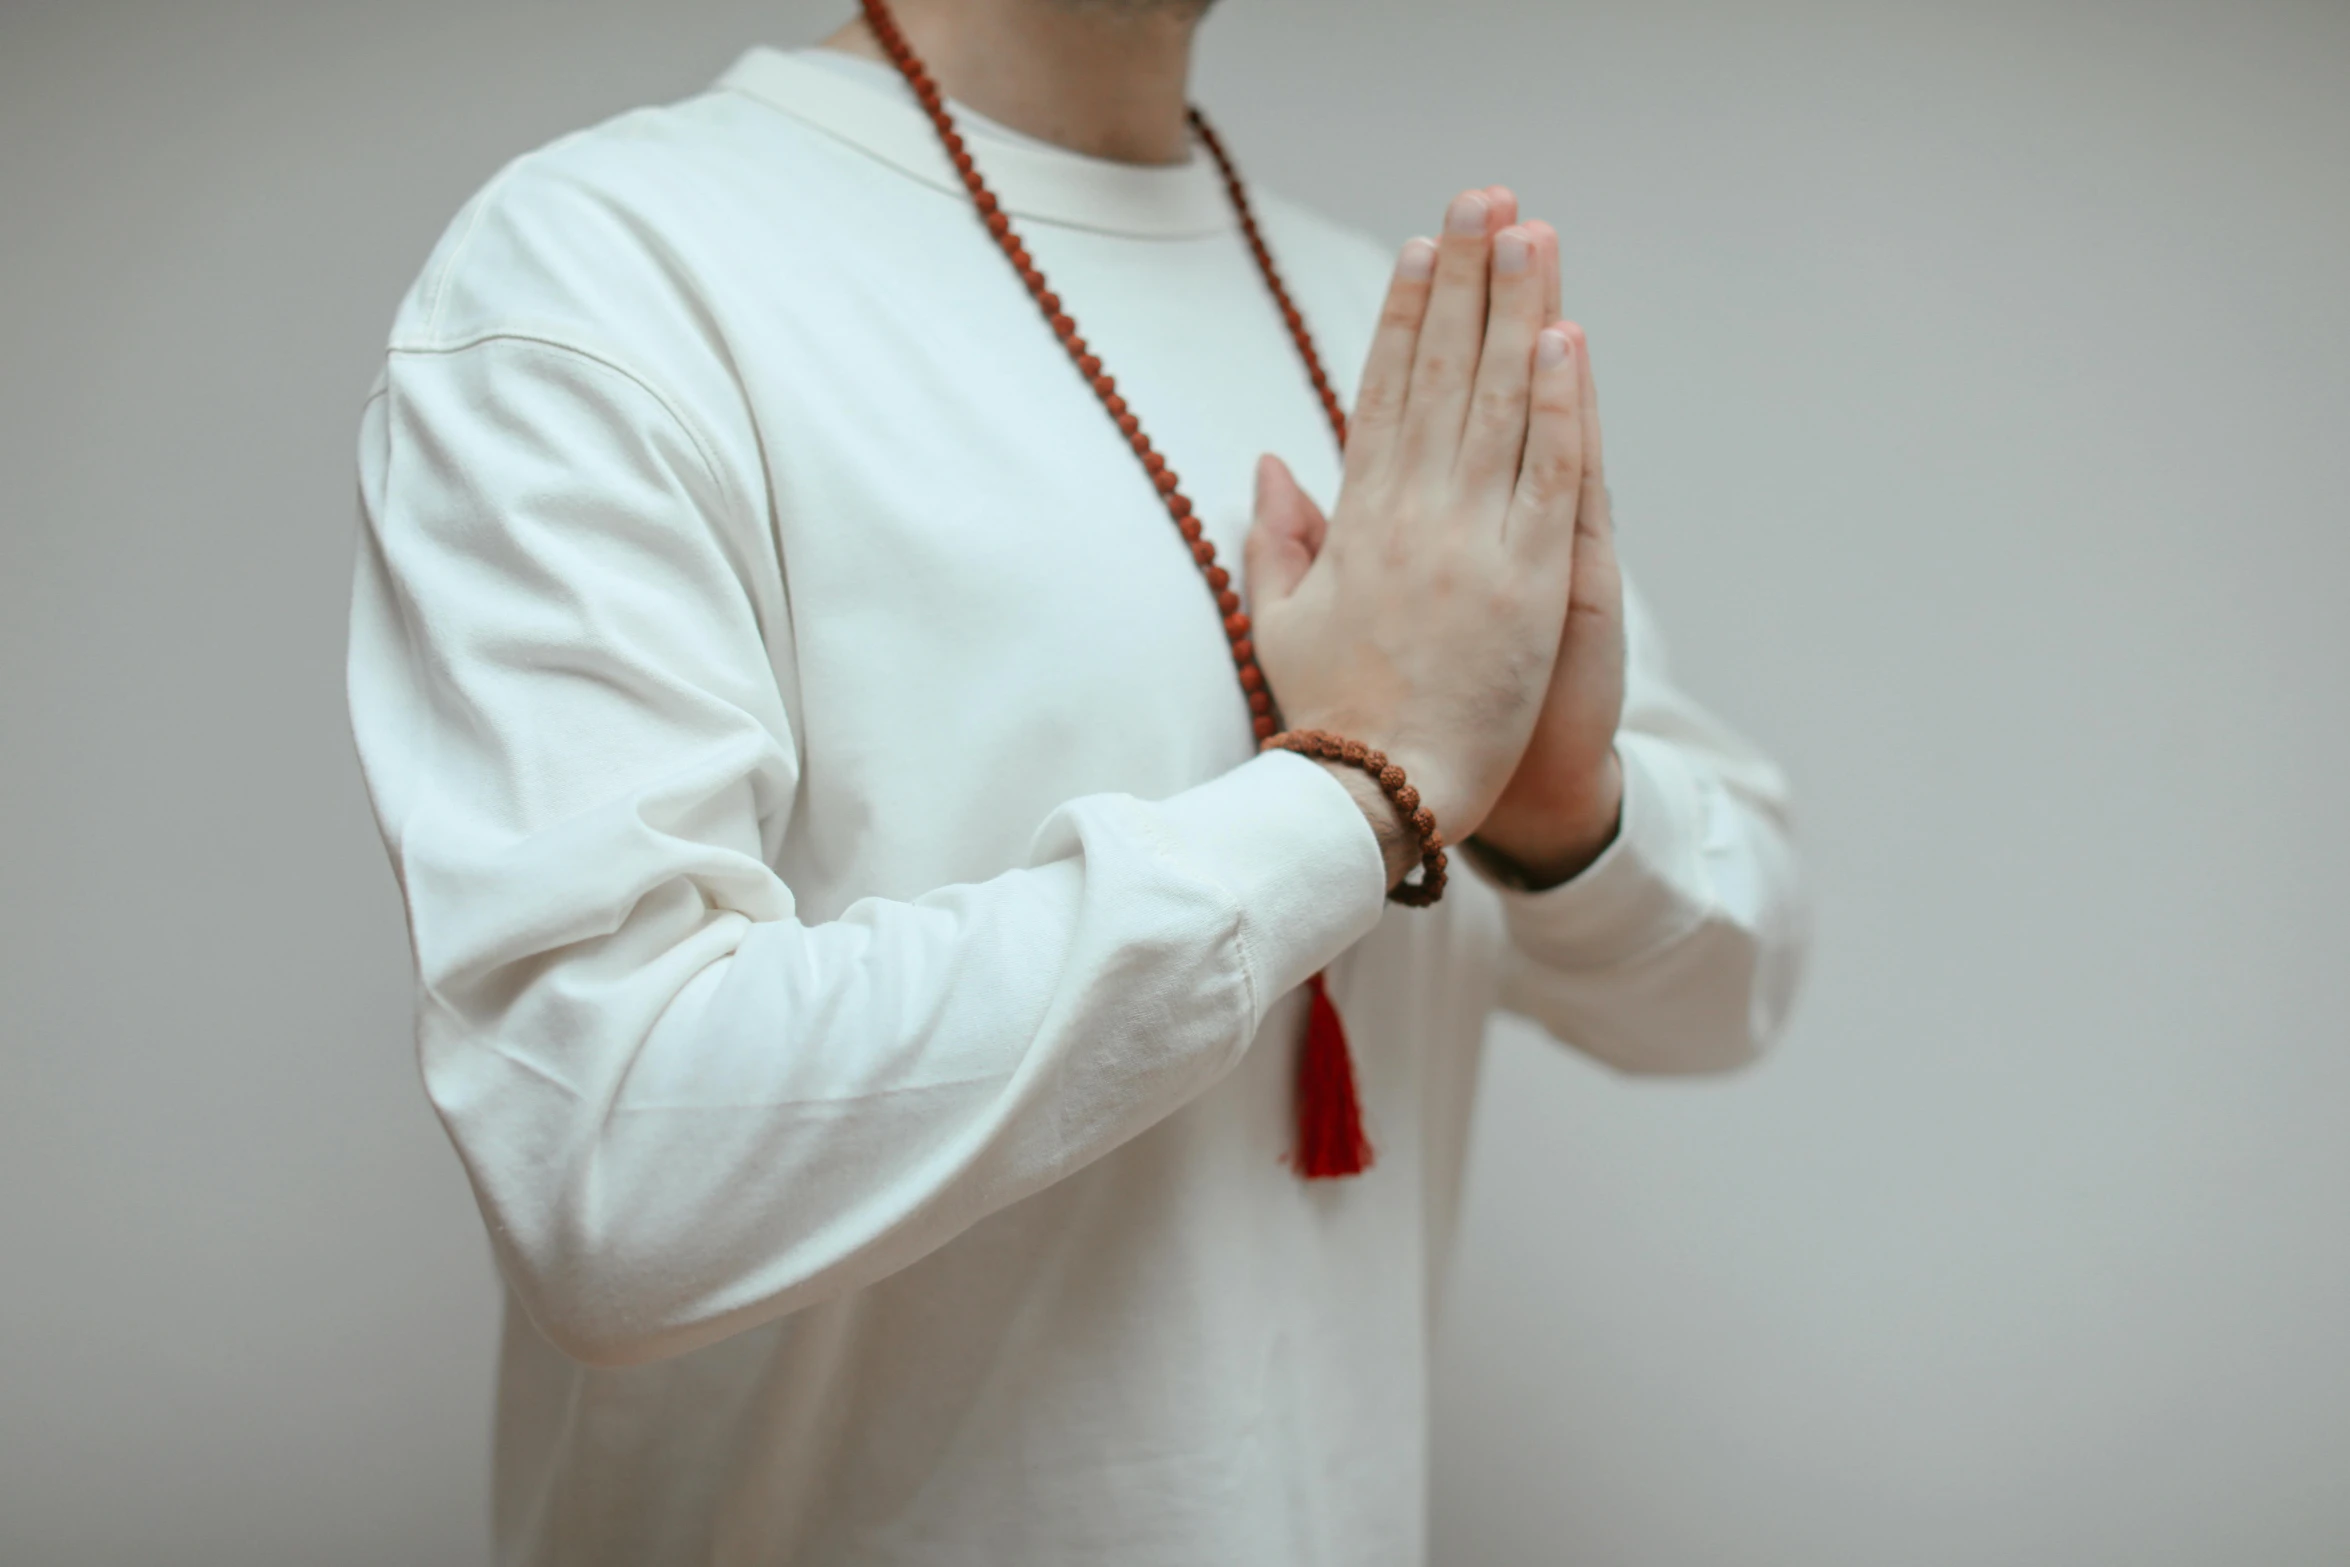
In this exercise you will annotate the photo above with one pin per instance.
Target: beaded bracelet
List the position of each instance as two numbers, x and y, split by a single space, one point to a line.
1322 744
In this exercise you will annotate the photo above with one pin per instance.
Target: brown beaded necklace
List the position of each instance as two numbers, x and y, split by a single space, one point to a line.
1330 1133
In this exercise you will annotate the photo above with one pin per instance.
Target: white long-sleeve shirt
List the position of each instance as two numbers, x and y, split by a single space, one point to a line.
856 944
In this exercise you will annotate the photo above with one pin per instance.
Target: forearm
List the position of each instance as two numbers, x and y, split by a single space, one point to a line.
704 1120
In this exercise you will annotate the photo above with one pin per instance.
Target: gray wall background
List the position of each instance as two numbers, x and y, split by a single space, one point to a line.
1975 388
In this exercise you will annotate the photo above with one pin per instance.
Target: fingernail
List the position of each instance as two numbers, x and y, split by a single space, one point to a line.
1466 215
1550 348
1418 261
1511 252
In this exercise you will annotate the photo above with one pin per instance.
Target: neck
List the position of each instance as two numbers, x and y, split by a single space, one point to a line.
1105 78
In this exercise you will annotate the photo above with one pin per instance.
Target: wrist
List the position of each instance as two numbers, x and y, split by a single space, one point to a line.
1402 796
1399 849
1538 847
1432 786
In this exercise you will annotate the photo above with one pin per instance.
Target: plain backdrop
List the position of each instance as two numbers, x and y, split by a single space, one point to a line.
1974 381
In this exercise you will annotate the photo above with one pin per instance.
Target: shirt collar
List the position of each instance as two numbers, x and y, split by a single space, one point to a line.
1034 181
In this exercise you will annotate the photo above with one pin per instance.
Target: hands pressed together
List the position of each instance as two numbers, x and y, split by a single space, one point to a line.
1461 608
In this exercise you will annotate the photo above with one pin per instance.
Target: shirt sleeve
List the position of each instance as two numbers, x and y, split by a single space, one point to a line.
683 1110
1677 950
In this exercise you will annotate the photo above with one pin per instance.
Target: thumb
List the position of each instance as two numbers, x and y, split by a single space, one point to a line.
1287 535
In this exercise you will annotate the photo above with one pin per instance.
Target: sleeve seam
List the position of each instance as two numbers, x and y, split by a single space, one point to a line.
704 448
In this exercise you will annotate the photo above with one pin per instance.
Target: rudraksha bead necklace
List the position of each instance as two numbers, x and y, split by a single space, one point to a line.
1331 1140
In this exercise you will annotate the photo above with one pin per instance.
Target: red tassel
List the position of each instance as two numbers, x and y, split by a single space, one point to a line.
1330 1139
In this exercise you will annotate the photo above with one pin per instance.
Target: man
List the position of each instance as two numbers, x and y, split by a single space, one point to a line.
860 950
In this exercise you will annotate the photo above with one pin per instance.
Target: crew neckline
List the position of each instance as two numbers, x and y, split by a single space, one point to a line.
883 77
1033 179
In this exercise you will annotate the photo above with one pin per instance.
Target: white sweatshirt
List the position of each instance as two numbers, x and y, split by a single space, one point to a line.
856 946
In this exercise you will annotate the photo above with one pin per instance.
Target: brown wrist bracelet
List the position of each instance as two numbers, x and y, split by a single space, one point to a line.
1325 746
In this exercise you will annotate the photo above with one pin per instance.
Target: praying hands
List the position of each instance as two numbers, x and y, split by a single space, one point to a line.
1462 608
859 961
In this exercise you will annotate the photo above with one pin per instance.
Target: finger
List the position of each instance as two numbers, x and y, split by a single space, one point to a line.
1445 358
1501 209
1593 513
1286 536
1595 600
1546 259
1495 436
1550 478
1387 369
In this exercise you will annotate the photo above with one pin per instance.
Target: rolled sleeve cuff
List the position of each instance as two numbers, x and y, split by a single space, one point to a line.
1647 888
1289 843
